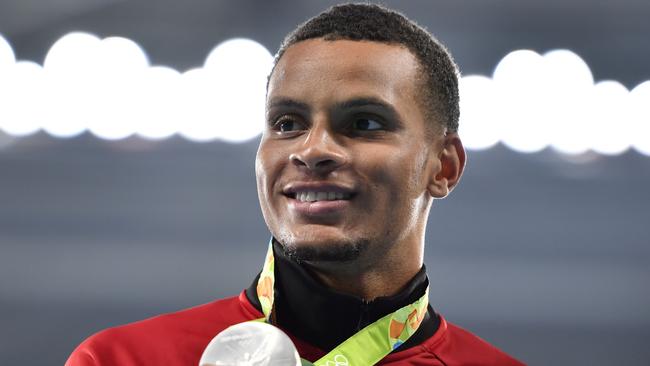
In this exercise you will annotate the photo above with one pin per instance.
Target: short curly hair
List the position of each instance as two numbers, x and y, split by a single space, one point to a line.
370 22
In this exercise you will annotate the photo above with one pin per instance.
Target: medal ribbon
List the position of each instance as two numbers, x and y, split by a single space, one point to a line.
366 347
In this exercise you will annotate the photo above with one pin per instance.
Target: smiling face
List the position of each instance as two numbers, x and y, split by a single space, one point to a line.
345 164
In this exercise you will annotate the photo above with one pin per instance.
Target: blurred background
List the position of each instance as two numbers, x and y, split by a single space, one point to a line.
128 132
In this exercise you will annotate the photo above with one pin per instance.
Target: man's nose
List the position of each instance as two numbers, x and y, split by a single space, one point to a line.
319 153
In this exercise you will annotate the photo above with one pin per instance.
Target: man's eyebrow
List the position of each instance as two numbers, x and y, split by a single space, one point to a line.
281 102
388 110
365 102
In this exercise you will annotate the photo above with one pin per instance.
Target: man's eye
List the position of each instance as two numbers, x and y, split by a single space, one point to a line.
288 125
367 124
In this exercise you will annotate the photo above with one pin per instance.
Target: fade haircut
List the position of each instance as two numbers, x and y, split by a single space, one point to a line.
369 22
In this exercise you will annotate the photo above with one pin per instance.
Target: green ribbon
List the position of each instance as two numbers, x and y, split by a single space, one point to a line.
366 347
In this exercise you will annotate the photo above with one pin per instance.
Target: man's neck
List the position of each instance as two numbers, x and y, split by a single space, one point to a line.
367 285
381 275
323 316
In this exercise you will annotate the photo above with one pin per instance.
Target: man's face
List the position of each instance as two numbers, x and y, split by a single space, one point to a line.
345 159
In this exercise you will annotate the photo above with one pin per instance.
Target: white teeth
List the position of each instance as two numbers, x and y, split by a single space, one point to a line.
312 196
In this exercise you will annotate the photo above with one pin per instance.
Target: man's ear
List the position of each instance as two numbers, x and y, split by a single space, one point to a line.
452 163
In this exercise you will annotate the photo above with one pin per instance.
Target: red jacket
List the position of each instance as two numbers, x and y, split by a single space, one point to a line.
178 339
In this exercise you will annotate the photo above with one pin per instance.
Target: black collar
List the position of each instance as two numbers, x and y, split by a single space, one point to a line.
325 318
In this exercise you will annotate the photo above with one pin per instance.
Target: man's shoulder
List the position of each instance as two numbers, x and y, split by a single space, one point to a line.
224 311
179 336
454 345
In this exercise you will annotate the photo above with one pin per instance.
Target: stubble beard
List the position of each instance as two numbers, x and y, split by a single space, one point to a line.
338 252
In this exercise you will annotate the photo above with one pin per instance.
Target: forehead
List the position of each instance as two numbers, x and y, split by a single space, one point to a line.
318 68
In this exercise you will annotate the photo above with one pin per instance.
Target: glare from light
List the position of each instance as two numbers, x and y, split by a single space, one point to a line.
240 53
478 126
21 95
197 92
8 83
640 113
238 69
108 87
160 104
570 82
609 118
520 88
121 55
116 81
73 53
569 67
69 67
7 57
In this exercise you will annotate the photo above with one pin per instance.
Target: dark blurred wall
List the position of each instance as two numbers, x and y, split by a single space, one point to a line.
533 252
610 35
544 255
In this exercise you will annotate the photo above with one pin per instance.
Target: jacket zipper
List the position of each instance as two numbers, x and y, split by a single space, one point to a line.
363 316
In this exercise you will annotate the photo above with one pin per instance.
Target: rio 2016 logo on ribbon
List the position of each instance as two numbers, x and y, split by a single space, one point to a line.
339 360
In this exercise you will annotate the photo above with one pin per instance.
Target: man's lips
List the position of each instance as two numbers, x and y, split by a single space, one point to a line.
318 199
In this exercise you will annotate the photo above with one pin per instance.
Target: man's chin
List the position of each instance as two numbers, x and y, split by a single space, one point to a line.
324 251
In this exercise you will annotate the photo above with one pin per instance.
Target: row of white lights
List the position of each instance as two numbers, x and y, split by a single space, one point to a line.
534 101
108 87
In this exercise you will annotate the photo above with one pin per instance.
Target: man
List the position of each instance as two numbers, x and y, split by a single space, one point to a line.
362 114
